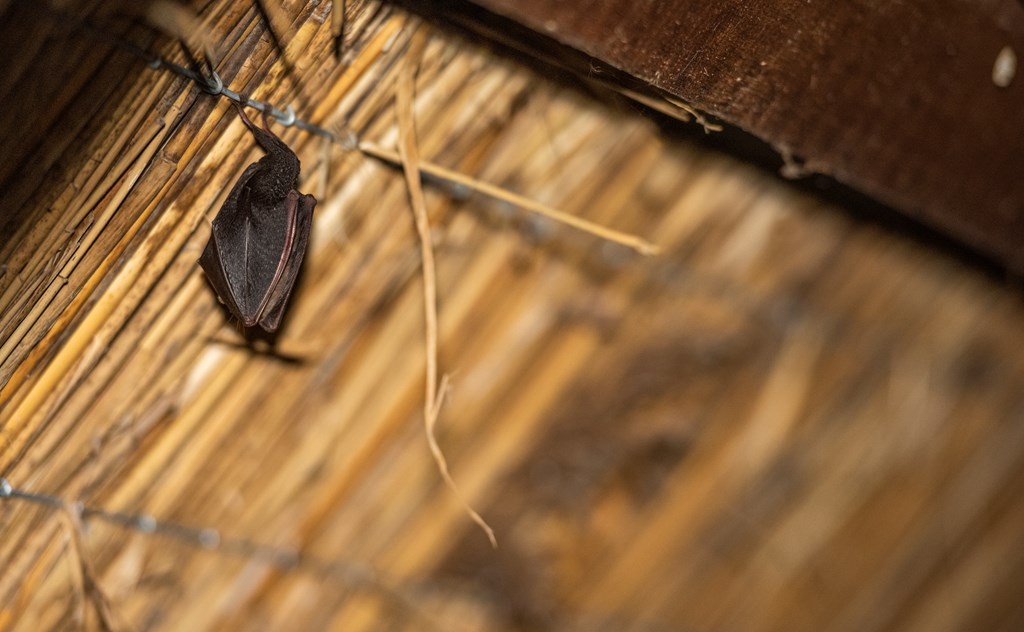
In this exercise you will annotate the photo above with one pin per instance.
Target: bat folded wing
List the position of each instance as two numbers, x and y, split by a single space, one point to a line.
301 207
255 251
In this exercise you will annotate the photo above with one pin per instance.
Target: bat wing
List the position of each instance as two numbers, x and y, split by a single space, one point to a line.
243 257
212 261
300 211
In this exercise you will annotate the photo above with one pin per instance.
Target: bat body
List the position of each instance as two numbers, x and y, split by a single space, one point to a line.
260 235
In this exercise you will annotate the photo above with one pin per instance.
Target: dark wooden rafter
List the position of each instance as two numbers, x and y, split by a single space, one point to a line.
896 99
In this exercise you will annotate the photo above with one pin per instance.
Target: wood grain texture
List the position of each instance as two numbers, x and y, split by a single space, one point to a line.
895 99
790 420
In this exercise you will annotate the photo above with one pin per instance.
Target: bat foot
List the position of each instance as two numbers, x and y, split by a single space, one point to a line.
245 117
266 122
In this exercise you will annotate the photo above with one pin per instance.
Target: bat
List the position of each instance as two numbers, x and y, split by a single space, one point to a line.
260 235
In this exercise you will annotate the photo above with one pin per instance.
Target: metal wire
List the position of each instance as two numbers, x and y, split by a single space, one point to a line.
212 85
211 539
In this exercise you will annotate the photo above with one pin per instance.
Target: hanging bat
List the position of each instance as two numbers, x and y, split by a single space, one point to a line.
260 235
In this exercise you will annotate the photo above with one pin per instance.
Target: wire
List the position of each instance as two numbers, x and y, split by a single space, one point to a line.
206 538
213 84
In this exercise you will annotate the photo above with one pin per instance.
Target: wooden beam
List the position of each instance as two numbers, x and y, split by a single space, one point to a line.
898 100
